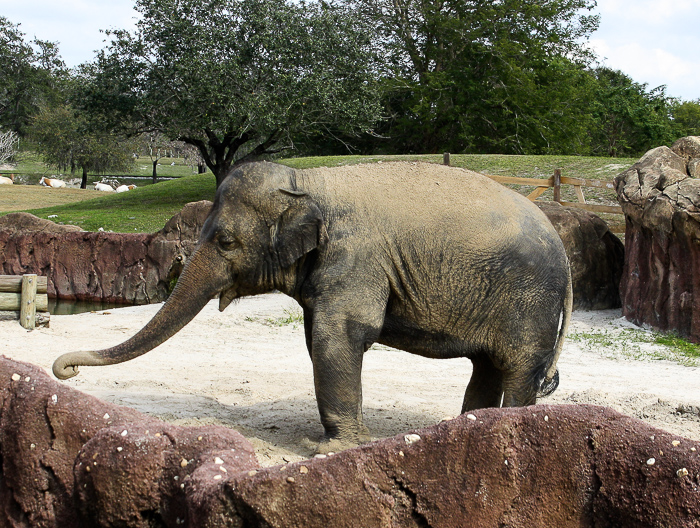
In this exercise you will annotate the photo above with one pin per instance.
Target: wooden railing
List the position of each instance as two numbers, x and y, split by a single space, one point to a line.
556 181
26 294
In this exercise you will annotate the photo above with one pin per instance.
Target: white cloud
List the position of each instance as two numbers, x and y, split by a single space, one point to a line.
653 41
652 65
74 24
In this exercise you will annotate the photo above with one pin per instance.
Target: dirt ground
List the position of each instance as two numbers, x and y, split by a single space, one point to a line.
248 368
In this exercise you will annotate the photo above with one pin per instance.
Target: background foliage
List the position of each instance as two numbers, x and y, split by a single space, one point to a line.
245 79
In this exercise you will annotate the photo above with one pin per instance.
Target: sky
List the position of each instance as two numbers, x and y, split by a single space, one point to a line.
653 41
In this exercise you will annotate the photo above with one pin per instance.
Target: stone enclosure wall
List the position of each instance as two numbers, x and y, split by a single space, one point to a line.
112 267
70 460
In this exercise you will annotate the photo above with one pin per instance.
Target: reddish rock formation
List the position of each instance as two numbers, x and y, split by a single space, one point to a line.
25 222
541 466
112 267
70 460
661 279
595 254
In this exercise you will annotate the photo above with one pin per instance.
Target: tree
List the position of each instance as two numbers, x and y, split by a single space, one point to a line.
686 117
9 144
236 78
629 118
32 75
483 76
157 146
69 141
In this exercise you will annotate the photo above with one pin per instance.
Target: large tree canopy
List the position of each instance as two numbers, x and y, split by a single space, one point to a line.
67 140
31 75
236 78
484 76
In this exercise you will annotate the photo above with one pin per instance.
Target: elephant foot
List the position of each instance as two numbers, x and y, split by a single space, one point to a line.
335 444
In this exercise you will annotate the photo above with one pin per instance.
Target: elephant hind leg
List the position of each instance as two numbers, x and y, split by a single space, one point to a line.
522 386
485 386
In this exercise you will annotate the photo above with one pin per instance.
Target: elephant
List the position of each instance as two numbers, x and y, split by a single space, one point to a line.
430 259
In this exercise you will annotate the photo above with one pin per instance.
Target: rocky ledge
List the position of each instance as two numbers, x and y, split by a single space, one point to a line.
71 460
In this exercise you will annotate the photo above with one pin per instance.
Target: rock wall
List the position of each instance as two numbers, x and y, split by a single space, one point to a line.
70 460
596 256
113 267
661 279
138 268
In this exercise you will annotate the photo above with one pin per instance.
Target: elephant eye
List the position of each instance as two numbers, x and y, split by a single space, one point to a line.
228 243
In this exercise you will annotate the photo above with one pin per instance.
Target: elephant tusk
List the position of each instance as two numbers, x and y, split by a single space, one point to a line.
226 297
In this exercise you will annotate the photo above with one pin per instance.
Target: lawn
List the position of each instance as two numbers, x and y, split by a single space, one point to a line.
147 208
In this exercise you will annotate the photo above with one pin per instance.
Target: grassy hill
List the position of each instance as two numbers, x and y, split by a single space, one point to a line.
147 208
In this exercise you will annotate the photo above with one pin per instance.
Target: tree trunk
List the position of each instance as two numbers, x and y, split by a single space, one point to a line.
155 171
83 182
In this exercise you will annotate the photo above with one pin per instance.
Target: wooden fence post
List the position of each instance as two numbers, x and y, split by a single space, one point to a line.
27 311
557 185
446 159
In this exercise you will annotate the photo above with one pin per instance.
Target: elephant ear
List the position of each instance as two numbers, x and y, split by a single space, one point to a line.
300 228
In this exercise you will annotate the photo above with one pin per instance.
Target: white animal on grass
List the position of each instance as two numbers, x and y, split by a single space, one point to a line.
103 187
52 182
4 180
124 188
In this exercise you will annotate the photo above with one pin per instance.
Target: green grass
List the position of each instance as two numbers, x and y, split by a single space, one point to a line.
143 210
147 208
292 316
640 345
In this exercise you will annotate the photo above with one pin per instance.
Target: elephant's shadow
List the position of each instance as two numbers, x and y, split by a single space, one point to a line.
289 424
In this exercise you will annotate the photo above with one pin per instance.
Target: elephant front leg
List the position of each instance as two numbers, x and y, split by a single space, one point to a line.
337 351
339 395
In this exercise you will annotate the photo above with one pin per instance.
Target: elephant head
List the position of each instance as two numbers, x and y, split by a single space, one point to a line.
257 232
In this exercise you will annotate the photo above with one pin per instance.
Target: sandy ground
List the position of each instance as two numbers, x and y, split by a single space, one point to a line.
248 368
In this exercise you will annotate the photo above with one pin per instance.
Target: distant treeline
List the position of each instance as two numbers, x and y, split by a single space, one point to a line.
244 79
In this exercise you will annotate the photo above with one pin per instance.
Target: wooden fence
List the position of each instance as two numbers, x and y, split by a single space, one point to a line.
556 181
26 294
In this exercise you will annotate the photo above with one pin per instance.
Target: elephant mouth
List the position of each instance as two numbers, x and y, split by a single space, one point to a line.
226 297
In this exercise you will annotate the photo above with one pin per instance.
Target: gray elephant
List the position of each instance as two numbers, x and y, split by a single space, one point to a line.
433 260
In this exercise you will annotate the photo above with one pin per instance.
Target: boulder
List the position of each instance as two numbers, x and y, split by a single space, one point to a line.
596 255
660 284
132 268
687 147
69 459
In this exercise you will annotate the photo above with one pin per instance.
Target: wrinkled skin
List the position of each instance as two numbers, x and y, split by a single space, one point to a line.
424 258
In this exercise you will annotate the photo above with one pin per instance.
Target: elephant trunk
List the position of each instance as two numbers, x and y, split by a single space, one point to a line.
193 291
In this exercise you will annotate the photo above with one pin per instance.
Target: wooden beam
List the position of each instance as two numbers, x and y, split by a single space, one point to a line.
13 283
588 183
537 193
537 182
615 209
13 301
557 185
27 309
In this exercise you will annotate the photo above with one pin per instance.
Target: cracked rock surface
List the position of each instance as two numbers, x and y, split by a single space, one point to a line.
661 200
71 460
111 267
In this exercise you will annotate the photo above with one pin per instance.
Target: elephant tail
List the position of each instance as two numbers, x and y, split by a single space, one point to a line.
551 379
